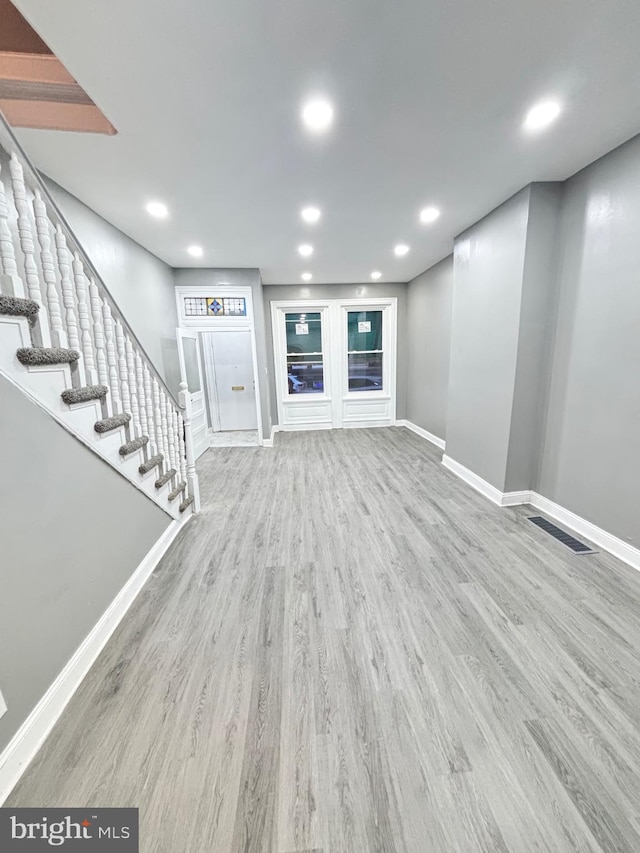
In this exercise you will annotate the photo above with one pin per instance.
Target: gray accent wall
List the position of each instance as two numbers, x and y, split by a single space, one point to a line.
428 337
488 273
240 277
590 460
141 284
375 290
72 532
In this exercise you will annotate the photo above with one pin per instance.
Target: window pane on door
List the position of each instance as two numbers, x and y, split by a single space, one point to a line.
364 345
305 363
365 371
364 330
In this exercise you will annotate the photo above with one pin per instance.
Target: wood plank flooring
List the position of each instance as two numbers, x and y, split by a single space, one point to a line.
349 650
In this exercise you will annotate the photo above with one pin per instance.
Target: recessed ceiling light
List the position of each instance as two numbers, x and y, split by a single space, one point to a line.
158 209
429 214
401 249
195 251
306 276
375 274
305 250
310 214
541 115
317 114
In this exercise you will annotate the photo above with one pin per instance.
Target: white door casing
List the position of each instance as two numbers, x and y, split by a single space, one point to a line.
336 406
230 379
191 373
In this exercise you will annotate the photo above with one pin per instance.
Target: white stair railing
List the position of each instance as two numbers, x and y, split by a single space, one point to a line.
41 260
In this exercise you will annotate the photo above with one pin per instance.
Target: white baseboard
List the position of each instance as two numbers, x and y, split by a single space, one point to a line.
495 495
24 745
629 554
439 442
268 442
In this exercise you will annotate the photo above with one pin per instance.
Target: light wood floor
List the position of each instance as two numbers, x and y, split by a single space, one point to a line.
350 650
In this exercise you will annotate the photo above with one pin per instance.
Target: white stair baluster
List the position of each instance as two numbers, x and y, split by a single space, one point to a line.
10 281
133 392
158 421
98 333
43 230
148 404
122 368
24 230
83 320
64 265
171 438
181 445
164 426
142 402
112 361
184 398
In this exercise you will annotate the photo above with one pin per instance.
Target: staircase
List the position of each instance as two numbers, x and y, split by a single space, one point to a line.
64 342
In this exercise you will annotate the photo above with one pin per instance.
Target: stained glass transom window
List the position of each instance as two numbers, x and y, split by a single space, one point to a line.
215 306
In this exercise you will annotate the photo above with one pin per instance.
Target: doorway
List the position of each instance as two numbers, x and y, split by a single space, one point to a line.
228 366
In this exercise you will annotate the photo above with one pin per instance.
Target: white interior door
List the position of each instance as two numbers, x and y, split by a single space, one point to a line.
231 379
191 373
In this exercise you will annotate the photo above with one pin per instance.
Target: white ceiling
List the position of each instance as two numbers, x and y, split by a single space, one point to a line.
429 98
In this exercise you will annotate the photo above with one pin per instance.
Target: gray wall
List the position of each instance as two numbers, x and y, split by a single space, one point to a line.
488 273
249 277
591 449
275 292
140 283
428 336
71 533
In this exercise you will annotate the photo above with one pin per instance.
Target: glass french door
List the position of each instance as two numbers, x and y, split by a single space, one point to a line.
335 363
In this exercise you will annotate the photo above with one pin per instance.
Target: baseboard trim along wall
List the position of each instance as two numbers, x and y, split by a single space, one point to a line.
439 442
629 554
268 442
24 745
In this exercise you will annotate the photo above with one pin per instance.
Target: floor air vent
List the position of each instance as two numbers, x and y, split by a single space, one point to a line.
562 536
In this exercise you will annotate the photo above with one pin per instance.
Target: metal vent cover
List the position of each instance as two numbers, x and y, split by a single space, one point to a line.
561 535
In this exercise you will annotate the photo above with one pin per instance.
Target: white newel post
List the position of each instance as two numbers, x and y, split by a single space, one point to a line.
184 399
10 282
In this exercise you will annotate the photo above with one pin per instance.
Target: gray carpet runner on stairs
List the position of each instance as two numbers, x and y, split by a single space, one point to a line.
132 446
186 503
162 481
16 307
150 464
46 355
177 491
107 424
84 394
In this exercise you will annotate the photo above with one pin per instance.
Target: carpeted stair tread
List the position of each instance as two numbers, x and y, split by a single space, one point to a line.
135 444
162 481
150 464
46 355
14 306
177 491
107 424
186 503
83 395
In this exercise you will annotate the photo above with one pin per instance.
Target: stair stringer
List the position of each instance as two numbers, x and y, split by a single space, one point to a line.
44 385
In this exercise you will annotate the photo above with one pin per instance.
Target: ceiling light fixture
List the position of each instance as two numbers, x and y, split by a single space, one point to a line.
158 209
429 214
401 249
306 276
375 274
317 114
541 115
310 214
195 251
305 250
